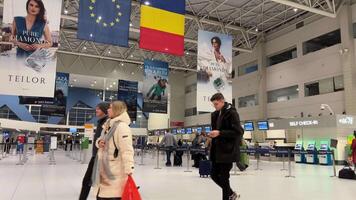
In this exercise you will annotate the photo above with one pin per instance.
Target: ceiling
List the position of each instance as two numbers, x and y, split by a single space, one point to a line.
245 20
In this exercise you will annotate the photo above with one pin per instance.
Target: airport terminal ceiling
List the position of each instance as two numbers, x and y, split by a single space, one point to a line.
246 20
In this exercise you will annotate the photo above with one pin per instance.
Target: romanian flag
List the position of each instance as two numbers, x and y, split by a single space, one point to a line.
162 26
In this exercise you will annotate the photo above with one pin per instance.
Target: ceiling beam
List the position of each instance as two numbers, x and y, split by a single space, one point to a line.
136 30
118 59
306 8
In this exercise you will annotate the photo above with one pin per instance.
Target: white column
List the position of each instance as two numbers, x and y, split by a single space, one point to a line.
262 79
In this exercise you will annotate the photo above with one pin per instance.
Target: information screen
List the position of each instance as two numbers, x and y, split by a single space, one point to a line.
311 147
249 126
189 131
174 131
199 129
298 146
324 147
73 130
263 125
207 129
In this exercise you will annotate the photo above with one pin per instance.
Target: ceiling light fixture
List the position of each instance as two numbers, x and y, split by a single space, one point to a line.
85 48
256 29
295 9
122 64
65 11
147 3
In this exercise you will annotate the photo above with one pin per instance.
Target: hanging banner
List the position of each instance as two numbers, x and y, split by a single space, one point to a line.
105 21
214 68
155 86
52 106
128 94
30 34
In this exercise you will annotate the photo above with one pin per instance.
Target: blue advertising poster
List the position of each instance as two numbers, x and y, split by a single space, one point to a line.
155 86
128 94
55 106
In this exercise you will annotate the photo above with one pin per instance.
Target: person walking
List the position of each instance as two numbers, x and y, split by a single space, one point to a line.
169 142
226 135
114 162
353 148
101 112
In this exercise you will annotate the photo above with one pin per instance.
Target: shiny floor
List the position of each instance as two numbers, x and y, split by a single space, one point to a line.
36 180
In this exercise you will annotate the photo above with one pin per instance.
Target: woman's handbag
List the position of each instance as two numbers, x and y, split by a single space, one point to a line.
130 190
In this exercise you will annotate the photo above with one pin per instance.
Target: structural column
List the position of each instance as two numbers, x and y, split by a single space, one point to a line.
348 58
262 79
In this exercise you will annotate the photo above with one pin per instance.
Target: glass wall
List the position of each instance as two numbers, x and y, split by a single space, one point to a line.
321 42
248 68
248 101
284 94
324 86
282 57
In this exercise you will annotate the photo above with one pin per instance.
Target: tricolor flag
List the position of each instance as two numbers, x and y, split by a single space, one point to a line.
162 26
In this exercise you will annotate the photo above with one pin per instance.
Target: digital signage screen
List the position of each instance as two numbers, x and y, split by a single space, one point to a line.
207 129
249 126
188 131
199 130
263 125
174 131
73 130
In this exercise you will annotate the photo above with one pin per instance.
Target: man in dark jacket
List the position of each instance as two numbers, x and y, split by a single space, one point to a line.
101 114
225 150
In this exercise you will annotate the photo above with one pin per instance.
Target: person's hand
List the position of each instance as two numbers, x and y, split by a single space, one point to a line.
129 174
101 144
25 47
214 134
36 46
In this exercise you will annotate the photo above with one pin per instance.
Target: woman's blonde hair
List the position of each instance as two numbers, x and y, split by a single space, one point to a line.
118 107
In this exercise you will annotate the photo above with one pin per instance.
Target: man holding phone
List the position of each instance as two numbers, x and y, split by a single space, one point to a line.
226 137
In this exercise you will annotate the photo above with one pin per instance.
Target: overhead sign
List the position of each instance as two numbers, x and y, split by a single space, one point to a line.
304 123
346 121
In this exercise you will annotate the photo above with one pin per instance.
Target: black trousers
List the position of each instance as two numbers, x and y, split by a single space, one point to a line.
220 173
99 198
86 185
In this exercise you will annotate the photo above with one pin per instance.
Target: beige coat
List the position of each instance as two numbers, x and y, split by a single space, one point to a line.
123 164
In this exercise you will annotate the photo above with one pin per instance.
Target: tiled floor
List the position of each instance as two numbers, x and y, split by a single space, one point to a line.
39 181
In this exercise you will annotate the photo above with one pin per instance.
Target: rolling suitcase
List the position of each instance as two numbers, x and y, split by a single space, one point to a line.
347 173
204 168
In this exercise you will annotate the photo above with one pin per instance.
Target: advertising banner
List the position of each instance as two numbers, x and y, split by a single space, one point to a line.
214 68
52 106
30 34
128 94
105 21
155 86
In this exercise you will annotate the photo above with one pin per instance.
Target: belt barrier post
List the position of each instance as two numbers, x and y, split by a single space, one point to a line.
141 164
157 164
284 162
20 154
258 161
334 165
188 161
289 165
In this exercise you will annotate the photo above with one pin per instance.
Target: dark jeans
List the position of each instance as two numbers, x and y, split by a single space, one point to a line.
169 153
86 185
220 173
153 97
99 198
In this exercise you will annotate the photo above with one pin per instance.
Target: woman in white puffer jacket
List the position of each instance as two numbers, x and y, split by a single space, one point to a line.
115 158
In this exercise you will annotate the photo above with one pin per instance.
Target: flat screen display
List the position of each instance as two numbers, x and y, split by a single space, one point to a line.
298 146
207 129
174 131
188 131
182 131
73 130
311 147
199 129
249 126
263 125
324 147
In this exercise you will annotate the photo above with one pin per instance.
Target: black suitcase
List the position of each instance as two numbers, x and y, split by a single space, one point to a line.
347 173
204 168
177 160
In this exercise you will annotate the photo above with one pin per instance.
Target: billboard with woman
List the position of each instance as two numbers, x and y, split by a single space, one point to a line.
214 68
27 49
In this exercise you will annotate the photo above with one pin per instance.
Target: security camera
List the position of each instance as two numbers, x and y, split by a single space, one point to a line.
326 106
322 107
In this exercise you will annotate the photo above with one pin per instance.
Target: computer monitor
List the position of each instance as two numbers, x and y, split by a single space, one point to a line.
188 130
199 130
263 125
207 129
311 147
249 126
174 131
324 147
182 131
73 130
298 146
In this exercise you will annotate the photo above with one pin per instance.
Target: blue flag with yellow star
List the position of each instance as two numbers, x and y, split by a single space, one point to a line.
105 21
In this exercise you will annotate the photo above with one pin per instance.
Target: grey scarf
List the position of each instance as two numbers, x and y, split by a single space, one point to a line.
103 162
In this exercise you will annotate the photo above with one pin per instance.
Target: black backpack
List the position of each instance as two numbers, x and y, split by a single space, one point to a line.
347 173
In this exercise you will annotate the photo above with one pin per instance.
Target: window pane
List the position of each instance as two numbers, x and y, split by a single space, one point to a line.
283 94
282 57
339 83
326 86
247 69
248 101
312 89
321 42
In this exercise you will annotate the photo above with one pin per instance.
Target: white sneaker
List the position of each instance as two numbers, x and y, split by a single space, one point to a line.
235 196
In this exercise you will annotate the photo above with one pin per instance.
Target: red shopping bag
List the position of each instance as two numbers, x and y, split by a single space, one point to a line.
130 190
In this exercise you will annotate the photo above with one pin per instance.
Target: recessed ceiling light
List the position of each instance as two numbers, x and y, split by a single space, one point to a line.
109 52
107 88
65 11
110 86
75 80
132 73
295 9
147 3
114 83
256 29
122 64
131 56
85 48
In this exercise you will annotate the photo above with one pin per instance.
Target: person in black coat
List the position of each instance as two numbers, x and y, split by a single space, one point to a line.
226 135
101 113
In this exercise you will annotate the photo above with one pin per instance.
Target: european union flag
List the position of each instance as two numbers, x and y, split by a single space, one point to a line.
105 21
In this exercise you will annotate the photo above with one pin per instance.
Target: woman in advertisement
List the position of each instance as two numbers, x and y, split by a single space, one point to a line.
32 32
214 66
